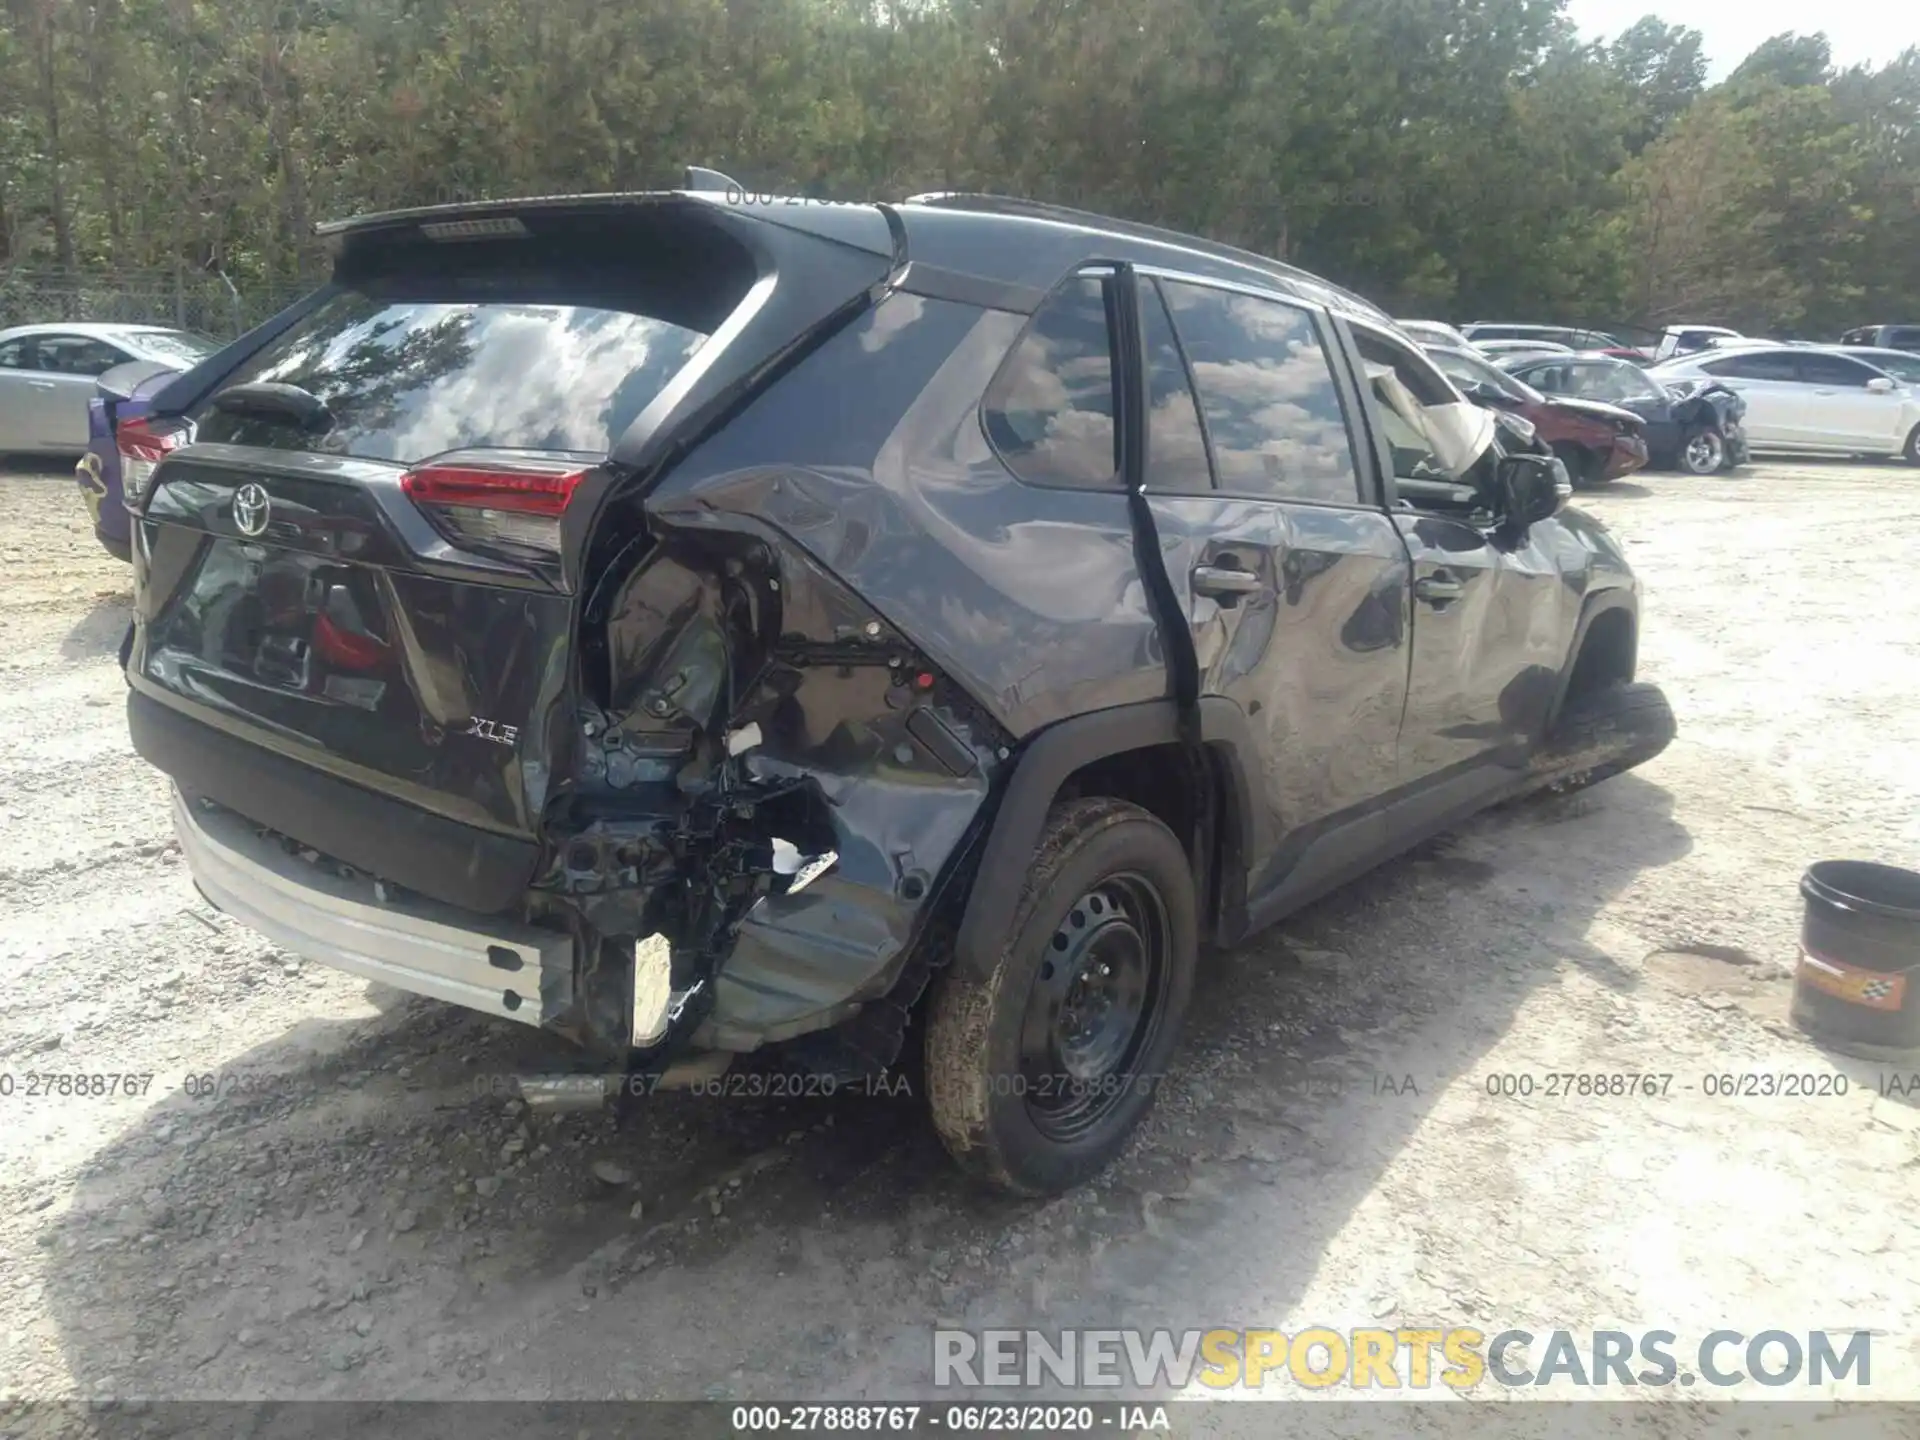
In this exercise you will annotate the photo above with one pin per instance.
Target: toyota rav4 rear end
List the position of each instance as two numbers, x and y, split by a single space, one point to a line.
453 700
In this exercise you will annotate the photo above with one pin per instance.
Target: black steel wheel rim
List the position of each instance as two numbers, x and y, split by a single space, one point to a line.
1096 1004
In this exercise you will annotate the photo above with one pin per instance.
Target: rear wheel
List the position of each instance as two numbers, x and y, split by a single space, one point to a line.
1704 452
1039 1068
1602 733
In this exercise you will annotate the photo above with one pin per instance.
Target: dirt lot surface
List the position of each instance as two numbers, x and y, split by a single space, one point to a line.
358 1215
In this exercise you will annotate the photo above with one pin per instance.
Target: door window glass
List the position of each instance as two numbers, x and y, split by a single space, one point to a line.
1267 389
1400 407
77 355
1176 445
13 354
1834 370
1761 365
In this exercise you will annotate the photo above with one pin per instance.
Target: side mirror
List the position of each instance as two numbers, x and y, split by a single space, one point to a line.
1533 487
1481 393
1880 385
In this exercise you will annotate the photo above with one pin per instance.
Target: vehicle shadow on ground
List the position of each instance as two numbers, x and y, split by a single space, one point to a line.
372 1218
98 633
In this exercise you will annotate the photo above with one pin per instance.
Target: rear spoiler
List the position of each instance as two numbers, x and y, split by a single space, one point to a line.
122 381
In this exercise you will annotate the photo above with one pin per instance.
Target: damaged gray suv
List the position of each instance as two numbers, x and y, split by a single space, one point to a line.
710 629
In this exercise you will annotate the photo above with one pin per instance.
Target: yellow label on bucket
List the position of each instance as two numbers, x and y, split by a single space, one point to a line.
1872 988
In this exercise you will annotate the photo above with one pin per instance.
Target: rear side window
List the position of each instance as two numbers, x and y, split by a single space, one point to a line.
1767 365
1049 412
13 354
413 371
1267 390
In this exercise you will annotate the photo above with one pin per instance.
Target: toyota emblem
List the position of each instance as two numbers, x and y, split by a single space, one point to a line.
251 510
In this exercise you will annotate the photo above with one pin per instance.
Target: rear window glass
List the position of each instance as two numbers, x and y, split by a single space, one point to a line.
173 345
408 376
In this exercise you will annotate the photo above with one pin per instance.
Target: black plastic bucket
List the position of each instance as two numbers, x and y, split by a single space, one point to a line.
1855 989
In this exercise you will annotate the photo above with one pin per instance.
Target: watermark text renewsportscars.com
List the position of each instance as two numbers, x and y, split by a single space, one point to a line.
1458 1358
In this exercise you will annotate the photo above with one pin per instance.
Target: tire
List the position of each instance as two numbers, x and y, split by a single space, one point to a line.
1581 466
1109 886
1912 451
1703 452
1602 734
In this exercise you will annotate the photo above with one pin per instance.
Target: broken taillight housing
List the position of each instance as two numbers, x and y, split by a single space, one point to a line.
509 505
143 444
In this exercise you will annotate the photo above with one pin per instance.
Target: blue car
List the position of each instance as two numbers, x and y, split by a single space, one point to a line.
122 394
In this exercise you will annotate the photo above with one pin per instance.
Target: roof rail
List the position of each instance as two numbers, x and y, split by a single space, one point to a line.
1009 205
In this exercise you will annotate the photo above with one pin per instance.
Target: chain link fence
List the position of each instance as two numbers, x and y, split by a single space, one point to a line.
209 304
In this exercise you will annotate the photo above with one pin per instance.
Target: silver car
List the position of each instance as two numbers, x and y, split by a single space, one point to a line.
1812 399
47 374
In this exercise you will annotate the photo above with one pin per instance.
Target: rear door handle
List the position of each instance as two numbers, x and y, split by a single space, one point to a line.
1223 582
1438 589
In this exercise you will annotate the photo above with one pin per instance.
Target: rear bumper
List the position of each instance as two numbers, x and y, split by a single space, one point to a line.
417 945
474 870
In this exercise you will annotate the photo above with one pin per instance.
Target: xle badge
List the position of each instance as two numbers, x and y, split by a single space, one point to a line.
492 730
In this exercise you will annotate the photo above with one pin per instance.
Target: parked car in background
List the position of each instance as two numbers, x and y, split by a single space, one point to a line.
1886 337
1812 399
1521 347
514 631
1632 354
1902 365
47 375
1686 339
121 397
1572 337
1434 332
1596 441
1692 425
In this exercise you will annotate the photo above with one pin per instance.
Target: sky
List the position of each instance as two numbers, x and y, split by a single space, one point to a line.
1861 31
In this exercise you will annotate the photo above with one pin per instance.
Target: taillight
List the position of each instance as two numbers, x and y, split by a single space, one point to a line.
143 444
506 503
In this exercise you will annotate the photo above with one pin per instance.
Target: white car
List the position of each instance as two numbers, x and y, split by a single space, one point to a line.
1812 399
47 374
1435 332
1522 347
1680 340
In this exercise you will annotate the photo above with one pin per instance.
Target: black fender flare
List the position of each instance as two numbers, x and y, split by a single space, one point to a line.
1051 756
1596 604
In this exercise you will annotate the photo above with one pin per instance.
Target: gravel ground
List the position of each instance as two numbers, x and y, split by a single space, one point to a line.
357 1215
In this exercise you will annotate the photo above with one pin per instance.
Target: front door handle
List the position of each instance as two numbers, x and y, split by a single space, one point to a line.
1438 589
1223 582
43 385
